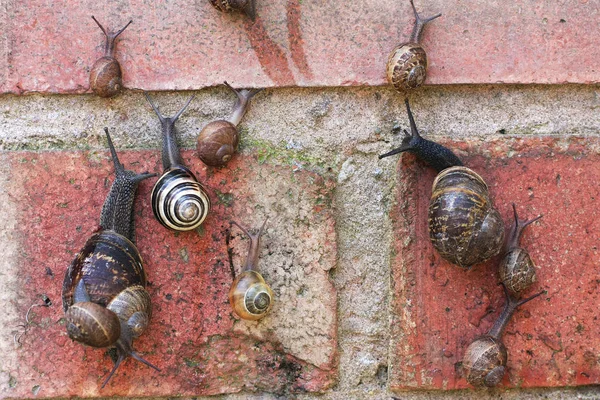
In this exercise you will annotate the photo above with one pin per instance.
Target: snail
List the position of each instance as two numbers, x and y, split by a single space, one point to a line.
464 226
407 63
517 270
217 142
104 296
250 296
179 201
105 76
247 7
485 359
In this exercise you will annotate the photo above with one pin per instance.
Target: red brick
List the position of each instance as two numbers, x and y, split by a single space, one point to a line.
194 337
189 45
439 308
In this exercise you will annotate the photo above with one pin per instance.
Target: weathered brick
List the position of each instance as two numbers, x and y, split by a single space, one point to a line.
194 337
190 45
439 308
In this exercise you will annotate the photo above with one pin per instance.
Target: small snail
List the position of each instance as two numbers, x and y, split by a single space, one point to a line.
485 360
179 201
105 76
464 227
250 296
407 63
247 7
517 270
217 142
103 293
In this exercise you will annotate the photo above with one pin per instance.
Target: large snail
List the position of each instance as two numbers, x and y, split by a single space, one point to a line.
407 63
247 7
218 141
179 201
485 360
517 270
250 296
464 226
104 295
105 76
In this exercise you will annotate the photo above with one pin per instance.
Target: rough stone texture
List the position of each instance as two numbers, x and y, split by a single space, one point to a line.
339 133
185 45
194 337
439 308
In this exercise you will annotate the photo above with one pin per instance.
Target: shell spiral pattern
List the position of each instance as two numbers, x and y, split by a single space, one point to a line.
407 66
179 202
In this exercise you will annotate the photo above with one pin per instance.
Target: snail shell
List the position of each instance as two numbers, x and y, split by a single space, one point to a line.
92 324
106 77
108 264
517 271
179 201
485 362
217 142
250 296
245 6
407 66
464 227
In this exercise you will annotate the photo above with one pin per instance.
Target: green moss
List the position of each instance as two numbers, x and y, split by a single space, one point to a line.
190 362
279 154
12 381
225 198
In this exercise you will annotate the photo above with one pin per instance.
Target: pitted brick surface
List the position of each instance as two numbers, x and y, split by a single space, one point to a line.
189 45
194 337
439 308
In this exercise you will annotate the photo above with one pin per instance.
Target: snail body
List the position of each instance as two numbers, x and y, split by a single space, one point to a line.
464 227
407 63
105 75
247 7
517 270
179 201
104 296
484 362
250 296
218 140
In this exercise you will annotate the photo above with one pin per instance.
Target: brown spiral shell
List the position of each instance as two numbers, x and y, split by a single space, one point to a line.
245 6
217 143
407 66
106 77
517 271
250 296
485 362
464 226
92 324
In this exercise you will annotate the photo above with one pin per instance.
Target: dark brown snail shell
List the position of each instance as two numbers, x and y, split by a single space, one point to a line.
247 7
485 362
106 77
103 293
464 227
217 143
